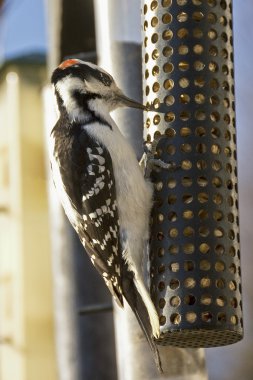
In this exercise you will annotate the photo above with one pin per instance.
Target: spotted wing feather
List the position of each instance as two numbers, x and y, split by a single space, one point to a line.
88 164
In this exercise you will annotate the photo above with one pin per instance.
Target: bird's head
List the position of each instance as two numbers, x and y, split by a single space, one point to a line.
82 86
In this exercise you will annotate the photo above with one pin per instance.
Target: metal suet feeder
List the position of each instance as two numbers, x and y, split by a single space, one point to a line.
195 256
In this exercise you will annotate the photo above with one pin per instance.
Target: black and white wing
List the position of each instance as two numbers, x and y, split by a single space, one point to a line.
87 177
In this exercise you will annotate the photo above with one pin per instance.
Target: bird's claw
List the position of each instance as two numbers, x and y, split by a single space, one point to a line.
149 162
157 162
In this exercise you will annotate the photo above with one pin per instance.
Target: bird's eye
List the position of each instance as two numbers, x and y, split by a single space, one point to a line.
105 79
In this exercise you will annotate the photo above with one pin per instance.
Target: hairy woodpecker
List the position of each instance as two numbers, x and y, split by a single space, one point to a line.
101 185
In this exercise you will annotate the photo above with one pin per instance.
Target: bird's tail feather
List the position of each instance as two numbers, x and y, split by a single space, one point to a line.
139 308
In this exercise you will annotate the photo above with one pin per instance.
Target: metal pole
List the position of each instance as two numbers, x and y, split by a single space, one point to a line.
65 305
83 339
118 34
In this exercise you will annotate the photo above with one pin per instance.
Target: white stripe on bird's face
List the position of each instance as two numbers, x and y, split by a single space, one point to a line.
105 97
66 88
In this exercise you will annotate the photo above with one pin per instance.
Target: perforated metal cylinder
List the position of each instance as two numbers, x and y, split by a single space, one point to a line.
195 257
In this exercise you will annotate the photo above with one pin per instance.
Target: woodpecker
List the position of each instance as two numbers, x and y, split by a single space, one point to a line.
101 185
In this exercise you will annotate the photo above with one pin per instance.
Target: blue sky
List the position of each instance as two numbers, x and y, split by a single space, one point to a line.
23 28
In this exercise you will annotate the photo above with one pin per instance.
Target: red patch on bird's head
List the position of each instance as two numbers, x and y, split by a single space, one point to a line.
68 63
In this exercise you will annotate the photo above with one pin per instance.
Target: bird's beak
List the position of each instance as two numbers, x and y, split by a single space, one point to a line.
127 102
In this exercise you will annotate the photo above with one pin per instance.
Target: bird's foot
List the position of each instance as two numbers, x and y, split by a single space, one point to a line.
158 163
149 162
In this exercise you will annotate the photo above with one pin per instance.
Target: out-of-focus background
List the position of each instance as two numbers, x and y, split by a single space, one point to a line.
42 286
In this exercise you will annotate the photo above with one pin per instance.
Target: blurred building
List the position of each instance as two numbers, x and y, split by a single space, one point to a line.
27 349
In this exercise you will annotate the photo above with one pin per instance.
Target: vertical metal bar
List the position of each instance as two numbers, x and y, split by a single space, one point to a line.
188 67
80 339
119 52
